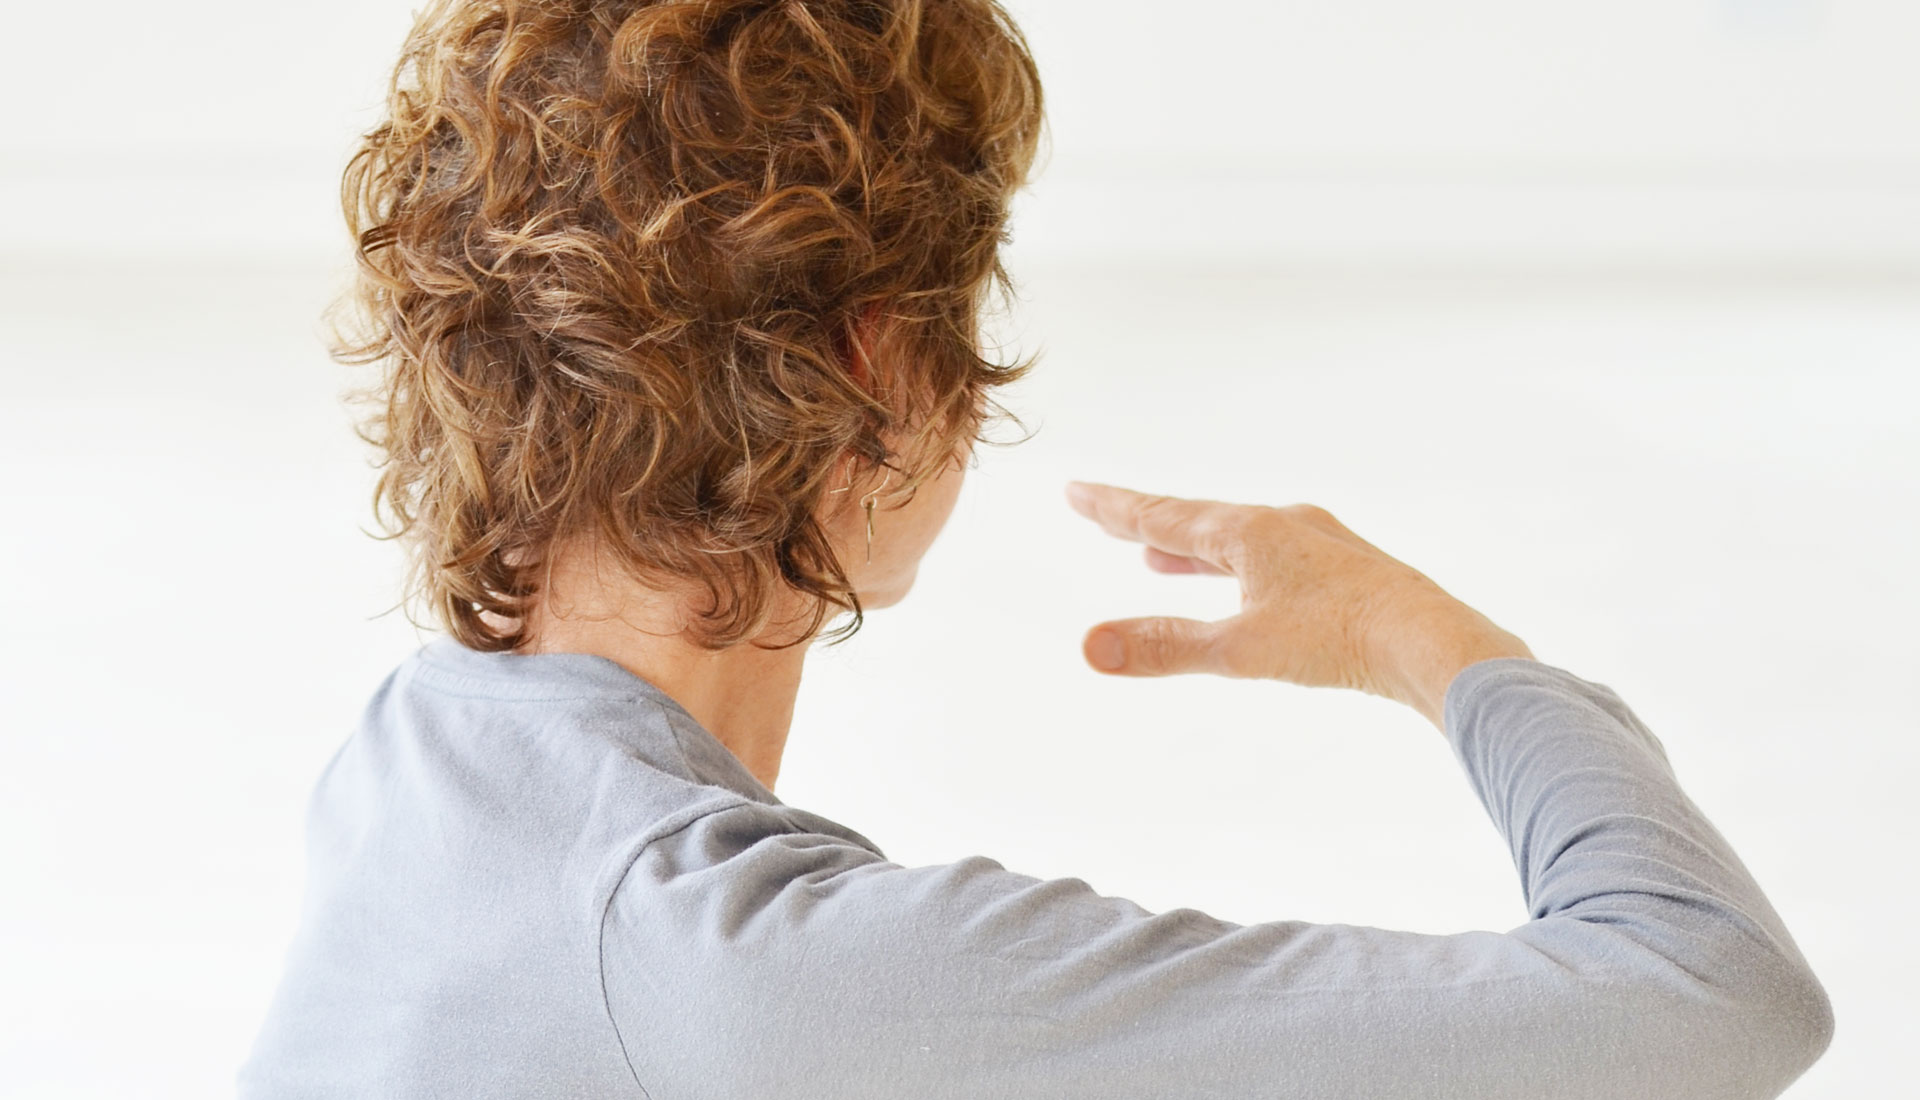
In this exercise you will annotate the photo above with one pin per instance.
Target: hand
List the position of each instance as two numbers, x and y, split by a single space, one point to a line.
1319 605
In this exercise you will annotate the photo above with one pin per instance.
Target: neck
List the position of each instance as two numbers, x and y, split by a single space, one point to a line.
742 695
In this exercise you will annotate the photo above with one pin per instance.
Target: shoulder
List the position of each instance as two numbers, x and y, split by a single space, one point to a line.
729 836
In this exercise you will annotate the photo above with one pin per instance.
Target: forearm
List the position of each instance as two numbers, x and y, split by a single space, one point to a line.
1628 883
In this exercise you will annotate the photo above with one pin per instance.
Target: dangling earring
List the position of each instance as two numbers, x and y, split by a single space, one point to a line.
871 498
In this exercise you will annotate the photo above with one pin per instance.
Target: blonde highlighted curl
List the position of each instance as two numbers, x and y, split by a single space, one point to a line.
614 259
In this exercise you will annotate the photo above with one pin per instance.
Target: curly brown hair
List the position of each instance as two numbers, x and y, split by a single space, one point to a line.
617 258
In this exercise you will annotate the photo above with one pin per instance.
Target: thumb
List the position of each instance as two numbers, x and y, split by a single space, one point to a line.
1152 647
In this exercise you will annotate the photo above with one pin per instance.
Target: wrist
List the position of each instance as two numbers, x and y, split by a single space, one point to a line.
1427 660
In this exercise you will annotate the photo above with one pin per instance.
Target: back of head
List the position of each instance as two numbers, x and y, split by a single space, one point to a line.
614 259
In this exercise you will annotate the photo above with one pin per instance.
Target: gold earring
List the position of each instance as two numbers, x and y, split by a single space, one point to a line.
871 498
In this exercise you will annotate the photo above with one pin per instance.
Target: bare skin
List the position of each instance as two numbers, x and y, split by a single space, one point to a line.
1320 606
743 695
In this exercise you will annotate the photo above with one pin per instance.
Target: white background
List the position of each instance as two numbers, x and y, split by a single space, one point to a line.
1607 317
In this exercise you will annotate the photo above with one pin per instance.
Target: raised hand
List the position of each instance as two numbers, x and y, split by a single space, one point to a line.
1319 605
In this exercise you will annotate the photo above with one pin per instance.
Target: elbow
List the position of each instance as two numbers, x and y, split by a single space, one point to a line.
1805 1018
1778 1025
1744 1028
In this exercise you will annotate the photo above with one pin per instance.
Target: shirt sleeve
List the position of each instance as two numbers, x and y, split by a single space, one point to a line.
748 954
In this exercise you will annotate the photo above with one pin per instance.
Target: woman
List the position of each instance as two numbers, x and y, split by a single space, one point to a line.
678 306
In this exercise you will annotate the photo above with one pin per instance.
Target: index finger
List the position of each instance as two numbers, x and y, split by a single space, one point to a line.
1191 528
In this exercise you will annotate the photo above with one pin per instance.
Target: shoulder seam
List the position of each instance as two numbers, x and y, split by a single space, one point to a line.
692 816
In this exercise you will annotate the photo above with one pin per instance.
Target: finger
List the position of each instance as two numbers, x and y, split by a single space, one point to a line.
1190 528
1160 561
1153 647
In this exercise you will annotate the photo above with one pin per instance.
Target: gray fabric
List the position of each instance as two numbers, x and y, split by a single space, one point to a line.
537 876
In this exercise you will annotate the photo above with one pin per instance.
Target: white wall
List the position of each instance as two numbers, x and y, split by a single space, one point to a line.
1605 316
1743 134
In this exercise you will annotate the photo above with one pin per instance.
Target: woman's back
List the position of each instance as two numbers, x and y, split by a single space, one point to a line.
462 847
538 876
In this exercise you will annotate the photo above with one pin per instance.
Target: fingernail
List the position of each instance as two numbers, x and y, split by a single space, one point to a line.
1077 491
1106 650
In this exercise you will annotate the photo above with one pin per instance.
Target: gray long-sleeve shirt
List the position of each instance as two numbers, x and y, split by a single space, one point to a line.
538 876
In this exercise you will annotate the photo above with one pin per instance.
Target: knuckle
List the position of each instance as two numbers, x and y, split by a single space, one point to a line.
1148 504
1209 530
1312 513
1228 525
1152 647
1231 653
